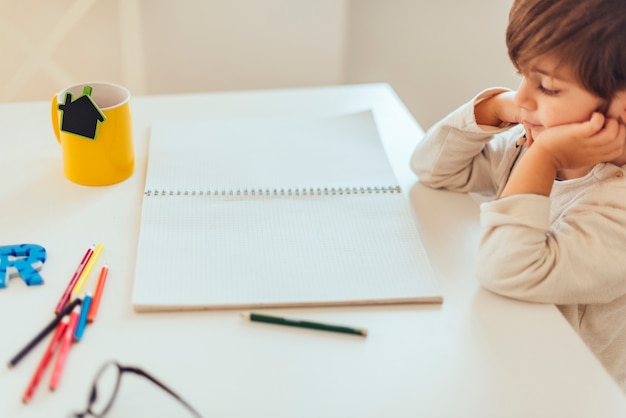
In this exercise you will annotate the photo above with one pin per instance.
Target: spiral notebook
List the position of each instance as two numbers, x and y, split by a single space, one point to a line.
275 213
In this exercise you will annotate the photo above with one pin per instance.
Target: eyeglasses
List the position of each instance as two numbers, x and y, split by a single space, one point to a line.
107 383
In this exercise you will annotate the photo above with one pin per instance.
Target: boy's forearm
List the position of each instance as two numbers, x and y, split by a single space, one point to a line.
533 174
497 110
485 113
457 154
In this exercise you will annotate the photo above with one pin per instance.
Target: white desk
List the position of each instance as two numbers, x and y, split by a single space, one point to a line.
477 355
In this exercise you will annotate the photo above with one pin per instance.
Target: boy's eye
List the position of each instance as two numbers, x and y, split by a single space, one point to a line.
538 81
547 91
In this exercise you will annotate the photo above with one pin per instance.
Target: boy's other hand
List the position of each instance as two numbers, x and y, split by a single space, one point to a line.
584 144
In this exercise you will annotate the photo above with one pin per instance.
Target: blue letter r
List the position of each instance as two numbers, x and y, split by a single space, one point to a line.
26 259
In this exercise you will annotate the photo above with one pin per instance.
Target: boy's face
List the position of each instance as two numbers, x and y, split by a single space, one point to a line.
549 95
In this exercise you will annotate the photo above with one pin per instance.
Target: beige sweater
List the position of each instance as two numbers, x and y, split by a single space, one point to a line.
568 249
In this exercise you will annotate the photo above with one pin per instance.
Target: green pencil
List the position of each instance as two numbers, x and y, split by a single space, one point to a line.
257 317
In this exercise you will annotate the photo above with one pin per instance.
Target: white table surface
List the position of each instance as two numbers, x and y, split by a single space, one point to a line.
476 355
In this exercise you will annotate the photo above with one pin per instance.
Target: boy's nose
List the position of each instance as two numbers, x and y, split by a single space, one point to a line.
523 98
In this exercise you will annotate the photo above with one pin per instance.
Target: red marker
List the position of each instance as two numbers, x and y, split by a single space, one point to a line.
95 303
66 344
43 363
65 298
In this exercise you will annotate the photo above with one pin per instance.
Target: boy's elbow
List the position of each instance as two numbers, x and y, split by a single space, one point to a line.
507 277
490 279
499 282
422 167
432 176
426 178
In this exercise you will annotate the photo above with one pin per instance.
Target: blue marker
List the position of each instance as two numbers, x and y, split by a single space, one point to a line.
82 321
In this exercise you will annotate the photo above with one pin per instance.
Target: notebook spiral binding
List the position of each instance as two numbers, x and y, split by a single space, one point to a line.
278 192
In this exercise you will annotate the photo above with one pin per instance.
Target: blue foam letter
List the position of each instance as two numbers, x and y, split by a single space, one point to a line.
26 259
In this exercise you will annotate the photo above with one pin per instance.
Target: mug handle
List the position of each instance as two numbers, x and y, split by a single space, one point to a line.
54 113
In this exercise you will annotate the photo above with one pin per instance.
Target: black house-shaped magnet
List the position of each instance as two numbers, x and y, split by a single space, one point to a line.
81 116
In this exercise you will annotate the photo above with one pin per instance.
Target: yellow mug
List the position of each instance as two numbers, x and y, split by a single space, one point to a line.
92 122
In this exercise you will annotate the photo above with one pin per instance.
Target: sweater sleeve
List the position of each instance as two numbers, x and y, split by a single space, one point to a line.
578 260
458 154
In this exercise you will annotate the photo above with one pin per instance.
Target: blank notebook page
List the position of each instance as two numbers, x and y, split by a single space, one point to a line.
275 213
268 153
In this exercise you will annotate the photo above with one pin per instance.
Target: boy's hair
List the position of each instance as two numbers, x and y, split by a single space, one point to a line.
589 36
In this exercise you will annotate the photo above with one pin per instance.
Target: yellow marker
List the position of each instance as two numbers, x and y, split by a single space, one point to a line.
84 276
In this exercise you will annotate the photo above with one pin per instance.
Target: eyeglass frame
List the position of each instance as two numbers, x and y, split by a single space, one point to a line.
120 371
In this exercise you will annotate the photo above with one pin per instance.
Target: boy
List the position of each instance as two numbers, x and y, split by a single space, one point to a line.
553 156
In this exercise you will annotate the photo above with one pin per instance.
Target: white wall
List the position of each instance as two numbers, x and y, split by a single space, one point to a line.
435 54
165 46
243 44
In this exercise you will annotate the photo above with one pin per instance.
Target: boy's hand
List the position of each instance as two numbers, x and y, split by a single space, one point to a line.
584 144
570 146
497 110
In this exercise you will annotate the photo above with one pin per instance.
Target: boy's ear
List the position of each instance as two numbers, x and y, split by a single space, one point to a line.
617 108
620 99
